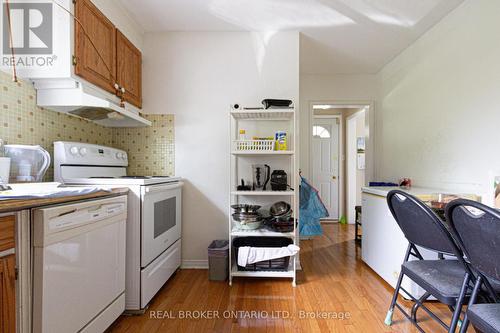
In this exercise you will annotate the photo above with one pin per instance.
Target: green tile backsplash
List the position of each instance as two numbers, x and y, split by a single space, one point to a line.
150 149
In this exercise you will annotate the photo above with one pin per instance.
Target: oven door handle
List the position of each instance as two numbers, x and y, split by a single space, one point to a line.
159 188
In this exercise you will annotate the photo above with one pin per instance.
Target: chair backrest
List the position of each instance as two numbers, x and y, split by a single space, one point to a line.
477 229
420 225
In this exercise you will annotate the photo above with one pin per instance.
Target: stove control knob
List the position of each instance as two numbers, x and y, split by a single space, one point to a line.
83 151
118 155
124 156
73 150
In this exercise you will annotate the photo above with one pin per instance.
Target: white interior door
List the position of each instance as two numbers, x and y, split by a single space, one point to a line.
325 155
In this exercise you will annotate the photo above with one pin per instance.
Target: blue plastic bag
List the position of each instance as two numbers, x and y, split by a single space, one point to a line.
312 210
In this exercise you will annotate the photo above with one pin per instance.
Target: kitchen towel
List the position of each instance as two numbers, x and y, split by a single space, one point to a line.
250 255
46 190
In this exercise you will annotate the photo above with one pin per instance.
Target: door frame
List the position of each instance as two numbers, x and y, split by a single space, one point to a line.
370 134
339 161
349 178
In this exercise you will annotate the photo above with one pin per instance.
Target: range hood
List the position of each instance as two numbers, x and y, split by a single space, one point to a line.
80 99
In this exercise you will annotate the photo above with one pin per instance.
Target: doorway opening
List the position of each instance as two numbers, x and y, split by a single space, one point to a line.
338 161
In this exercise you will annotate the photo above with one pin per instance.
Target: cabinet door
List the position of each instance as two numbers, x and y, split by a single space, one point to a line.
101 33
7 275
8 294
129 69
7 232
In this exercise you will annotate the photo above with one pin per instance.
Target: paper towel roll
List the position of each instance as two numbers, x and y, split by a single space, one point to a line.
4 169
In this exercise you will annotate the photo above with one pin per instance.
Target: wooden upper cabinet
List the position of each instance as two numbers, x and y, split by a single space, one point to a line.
102 33
129 69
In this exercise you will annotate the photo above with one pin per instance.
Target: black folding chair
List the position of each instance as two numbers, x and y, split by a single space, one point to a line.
477 231
448 280
484 317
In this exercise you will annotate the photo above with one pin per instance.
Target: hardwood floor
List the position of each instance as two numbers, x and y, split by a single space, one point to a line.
334 283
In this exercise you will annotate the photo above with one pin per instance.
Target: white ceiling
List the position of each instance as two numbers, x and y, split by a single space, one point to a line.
338 36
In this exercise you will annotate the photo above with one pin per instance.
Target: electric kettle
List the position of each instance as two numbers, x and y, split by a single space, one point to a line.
28 163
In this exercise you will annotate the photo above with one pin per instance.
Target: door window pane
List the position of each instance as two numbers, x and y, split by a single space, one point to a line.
320 131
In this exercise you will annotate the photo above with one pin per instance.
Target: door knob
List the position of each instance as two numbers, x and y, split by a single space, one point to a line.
334 177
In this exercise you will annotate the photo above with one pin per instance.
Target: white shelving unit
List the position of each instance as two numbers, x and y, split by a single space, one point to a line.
263 123
275 152
264 193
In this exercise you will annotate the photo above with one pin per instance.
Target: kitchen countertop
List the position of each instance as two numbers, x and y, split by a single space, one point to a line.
434 198
420 192
20 204
415 191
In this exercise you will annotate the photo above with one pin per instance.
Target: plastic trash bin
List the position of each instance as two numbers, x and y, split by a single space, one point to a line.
218 260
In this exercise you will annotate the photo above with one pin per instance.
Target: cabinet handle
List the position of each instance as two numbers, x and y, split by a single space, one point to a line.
7 252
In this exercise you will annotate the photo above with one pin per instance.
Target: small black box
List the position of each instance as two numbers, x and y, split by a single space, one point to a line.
279 180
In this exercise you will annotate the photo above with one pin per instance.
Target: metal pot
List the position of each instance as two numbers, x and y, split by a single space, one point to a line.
280 208
283 218
244 208
247 217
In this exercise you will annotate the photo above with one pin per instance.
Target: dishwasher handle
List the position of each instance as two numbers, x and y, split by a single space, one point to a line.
86 216
163 187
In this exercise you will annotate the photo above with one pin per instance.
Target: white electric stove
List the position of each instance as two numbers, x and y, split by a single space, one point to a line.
154 214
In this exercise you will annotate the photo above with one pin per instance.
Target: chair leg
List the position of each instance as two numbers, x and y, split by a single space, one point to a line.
388 317
417 305
356 228
458 307
473 297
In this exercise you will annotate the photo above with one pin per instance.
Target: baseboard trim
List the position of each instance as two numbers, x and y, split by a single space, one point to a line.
194 264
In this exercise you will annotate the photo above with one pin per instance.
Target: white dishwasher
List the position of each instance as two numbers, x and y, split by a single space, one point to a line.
79 266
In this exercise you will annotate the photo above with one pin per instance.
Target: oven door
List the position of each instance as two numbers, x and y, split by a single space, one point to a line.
161 219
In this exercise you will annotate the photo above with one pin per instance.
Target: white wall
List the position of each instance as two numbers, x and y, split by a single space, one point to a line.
197 76
117 14
440 104
329 88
